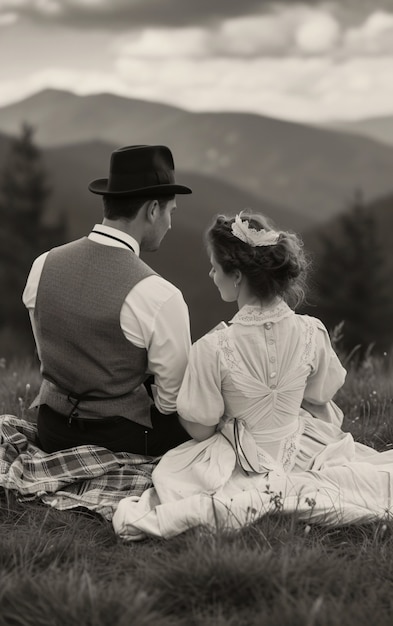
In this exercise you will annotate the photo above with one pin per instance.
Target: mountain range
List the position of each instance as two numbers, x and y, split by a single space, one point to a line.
312 171
378 128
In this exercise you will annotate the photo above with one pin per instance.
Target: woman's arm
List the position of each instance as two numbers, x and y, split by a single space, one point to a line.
197 431
200 404
327 377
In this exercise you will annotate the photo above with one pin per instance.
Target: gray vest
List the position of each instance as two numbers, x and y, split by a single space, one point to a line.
85 358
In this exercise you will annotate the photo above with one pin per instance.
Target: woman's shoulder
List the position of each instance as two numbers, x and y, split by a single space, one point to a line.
213 340
311 321
316 335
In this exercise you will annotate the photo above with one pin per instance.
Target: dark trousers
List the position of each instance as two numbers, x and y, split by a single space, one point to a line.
118 434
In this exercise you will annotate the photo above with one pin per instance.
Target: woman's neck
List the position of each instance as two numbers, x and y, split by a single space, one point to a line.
250 300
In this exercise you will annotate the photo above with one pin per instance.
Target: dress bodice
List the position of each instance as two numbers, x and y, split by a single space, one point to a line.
256 373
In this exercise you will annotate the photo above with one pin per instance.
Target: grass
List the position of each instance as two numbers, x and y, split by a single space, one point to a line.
66 568
19 382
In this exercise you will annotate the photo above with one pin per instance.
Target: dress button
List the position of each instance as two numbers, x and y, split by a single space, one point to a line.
268 325
272 359
271 341
273 386
273 374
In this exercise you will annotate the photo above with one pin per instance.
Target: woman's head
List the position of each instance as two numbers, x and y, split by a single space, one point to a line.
272 262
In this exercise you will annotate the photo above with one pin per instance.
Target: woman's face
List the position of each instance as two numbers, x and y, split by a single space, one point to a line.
225 283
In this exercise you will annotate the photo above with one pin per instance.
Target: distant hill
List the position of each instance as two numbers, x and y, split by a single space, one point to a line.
377 128
72 167
311 170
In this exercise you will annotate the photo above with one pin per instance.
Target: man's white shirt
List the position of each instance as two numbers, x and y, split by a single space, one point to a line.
154 316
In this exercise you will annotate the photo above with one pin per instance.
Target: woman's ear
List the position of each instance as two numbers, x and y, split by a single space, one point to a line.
152 211
237 276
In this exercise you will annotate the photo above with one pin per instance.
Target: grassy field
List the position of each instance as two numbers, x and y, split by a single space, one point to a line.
68 568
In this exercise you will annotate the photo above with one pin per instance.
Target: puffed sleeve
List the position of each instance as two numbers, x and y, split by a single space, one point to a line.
200 399
326 378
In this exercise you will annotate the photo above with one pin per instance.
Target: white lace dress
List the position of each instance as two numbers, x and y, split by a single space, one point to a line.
267 382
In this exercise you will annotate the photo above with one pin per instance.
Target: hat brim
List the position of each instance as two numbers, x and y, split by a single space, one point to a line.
100 187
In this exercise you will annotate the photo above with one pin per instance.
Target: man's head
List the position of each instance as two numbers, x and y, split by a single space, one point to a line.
151 217
141 188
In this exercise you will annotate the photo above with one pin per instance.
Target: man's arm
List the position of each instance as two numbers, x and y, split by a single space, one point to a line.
155 317
168 352
30 293
33 327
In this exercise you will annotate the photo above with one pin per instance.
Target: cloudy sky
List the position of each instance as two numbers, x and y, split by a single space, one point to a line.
309 61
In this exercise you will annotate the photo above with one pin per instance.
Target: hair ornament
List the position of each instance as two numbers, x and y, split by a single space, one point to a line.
241 229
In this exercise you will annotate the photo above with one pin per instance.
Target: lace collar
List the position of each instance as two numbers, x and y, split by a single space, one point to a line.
253 315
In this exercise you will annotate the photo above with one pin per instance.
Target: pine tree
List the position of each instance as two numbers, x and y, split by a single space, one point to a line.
24 191
352 283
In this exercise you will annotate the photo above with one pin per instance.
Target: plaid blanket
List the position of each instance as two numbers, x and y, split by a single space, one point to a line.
91 477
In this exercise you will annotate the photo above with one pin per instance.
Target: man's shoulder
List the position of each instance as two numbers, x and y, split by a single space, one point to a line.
42 257
160 288
68 245
155 298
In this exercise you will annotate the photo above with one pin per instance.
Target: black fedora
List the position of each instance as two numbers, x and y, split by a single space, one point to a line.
139 171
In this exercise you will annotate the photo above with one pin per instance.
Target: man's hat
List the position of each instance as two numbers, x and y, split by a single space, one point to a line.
139 171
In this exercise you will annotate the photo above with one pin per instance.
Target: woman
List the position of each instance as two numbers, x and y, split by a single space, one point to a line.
257 400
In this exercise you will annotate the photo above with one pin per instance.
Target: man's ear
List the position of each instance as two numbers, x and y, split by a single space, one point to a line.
152 210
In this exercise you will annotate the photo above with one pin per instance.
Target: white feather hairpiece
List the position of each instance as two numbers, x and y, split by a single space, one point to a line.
241 229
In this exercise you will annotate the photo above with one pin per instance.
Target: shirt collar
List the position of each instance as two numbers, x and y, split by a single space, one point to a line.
114 232
250 315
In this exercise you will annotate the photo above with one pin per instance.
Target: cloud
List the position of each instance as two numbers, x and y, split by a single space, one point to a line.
255 35
297 61
246 28
373 37
287 31
6 19
318 33
121 14
309 89
162 43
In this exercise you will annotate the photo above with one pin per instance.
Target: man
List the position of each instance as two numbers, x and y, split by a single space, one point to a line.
104 321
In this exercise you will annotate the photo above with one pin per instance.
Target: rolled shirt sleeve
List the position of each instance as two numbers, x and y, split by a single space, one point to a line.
30 291
168 352
30 294
155 316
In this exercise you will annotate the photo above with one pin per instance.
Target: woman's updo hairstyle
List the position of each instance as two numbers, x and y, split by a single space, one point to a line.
271 270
